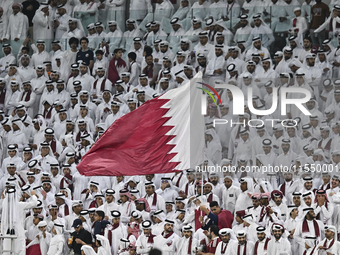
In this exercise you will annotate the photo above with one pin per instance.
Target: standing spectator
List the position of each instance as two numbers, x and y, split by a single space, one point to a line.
320 11
7 60
29 8
17 31
75 30
7 6
85 54
79 237
116 11
61 22
218 216
3 28
43 26
117 65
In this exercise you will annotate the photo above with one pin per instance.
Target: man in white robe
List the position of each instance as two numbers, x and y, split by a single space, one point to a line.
242 246
115 231
278 244
309 226
17 28
167 241
12 220
187 244
43 25
61 22
145 242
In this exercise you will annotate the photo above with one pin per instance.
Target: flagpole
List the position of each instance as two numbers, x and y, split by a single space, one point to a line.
202 188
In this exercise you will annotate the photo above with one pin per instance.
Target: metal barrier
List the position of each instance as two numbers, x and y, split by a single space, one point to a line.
4 237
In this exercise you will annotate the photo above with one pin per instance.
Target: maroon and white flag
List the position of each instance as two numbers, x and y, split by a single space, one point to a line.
163 135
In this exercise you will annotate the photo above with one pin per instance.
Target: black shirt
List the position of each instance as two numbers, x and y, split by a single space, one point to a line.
83 235
30 13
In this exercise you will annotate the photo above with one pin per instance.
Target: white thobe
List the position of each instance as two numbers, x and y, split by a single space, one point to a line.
63 26
234 246
139 9
143 247
117 234
19 242
167 245
5 62
230 197
77 33
242 34
42 26
160 203
18 26
243 201
108 208
282 247
86 81
27 73
28 104
266 35
40 57
183 246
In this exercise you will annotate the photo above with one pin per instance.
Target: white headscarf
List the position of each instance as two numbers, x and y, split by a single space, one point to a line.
105 243
79 25
88 250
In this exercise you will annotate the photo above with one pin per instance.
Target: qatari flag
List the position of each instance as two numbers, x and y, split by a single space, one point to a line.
33 250
163 135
